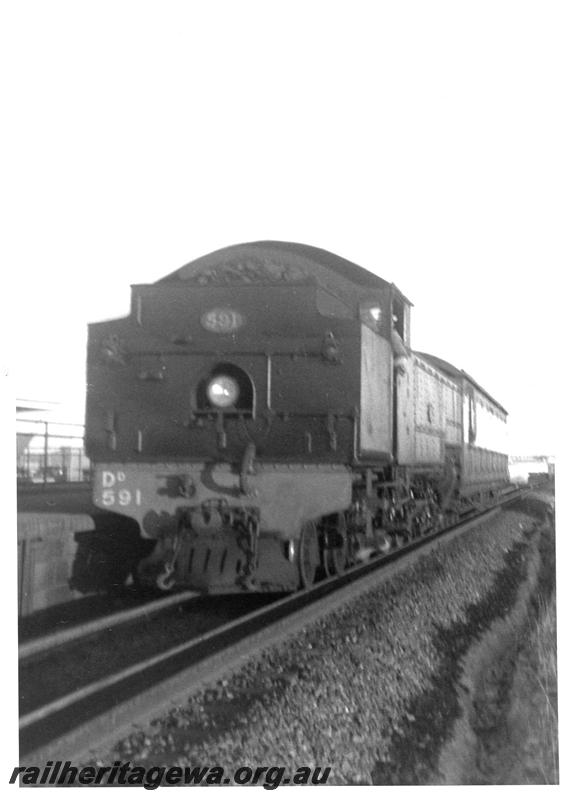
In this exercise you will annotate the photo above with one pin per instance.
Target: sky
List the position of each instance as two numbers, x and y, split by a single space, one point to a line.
424 141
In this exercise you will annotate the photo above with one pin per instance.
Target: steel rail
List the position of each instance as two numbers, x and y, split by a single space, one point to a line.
46 644
72 725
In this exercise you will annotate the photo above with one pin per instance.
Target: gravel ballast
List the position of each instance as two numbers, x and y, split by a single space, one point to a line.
370 689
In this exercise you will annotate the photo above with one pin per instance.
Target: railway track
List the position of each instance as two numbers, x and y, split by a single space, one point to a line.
80 613
72 723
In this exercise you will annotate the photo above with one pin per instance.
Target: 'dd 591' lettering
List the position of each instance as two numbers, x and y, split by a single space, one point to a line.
113 495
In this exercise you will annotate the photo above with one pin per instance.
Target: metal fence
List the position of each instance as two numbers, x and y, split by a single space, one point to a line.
50 452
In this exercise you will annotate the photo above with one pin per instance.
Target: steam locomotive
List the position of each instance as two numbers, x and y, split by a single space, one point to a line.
261 415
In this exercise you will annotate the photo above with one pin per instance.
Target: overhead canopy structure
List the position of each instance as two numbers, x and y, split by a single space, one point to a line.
27 406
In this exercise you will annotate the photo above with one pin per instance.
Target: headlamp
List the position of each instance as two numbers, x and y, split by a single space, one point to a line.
222 391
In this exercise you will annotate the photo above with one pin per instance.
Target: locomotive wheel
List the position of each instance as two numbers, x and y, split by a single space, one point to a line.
337 557
308 555
325 562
